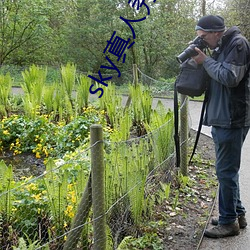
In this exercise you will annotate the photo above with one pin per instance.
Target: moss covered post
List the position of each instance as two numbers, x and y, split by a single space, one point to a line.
98 194
184 135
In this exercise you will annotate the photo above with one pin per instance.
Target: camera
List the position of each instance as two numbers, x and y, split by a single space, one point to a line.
190 51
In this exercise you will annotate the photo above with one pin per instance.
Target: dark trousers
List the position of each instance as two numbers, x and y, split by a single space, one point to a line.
228 145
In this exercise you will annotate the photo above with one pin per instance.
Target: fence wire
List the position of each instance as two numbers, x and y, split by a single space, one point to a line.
44 210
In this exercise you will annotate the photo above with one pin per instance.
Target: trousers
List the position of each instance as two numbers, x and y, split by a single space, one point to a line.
228 146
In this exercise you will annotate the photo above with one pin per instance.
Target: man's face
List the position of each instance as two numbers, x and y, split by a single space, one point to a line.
211 38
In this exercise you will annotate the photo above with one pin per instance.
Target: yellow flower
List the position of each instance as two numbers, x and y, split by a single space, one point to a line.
102 112
38 156
6 132
69 211
14 209
37 196
73 199
16 152
31 187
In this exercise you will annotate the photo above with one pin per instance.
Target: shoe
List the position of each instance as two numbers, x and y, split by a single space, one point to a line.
241 219
221 231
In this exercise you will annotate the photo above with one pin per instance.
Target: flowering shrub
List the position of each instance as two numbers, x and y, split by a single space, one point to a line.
43 137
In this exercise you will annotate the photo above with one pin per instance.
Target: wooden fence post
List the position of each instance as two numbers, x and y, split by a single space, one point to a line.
135 82
135 74
184 135
98 195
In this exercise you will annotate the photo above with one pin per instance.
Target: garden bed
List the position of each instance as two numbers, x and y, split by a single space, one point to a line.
185 226
178 221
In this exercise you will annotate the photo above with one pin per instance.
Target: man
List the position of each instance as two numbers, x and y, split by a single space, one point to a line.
228 112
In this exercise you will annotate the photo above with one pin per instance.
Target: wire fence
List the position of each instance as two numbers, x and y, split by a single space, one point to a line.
55 210
43 209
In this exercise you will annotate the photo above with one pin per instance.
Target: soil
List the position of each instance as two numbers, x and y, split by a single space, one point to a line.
25 164
179 220
186 223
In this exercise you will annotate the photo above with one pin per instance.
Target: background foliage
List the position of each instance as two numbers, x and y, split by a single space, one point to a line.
49 32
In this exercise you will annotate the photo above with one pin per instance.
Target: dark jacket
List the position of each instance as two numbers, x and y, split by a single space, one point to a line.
228 103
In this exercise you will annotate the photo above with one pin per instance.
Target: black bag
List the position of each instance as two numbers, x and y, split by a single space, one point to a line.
192 80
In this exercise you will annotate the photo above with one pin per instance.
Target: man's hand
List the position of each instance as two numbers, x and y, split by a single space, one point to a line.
200 58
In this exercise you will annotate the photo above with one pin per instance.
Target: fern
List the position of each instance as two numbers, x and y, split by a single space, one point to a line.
161 126
82 97
48 98
5 90
33 86
68 74
6 184
56 184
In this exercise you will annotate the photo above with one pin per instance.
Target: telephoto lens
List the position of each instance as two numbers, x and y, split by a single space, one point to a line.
190 51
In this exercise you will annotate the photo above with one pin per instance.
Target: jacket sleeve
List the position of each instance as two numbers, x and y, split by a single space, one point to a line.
234 66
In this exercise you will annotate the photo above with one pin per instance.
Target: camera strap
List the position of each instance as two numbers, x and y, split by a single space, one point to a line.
176 127
199 127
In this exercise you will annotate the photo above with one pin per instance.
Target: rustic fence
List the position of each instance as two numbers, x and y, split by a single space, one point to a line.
104 201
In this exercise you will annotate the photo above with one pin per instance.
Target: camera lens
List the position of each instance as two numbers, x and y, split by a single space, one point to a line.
187 53
190 50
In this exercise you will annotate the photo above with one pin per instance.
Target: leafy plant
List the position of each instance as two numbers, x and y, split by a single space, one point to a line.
176 199
184 181
48 98
68 74
161 126
164 191
43 137
112 108
5 90
141 104
34 81
121 131
82 94
147 241
6 184
56 187
30 208
22 245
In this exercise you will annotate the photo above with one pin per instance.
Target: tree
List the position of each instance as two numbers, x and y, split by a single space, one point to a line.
237 13
21 21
